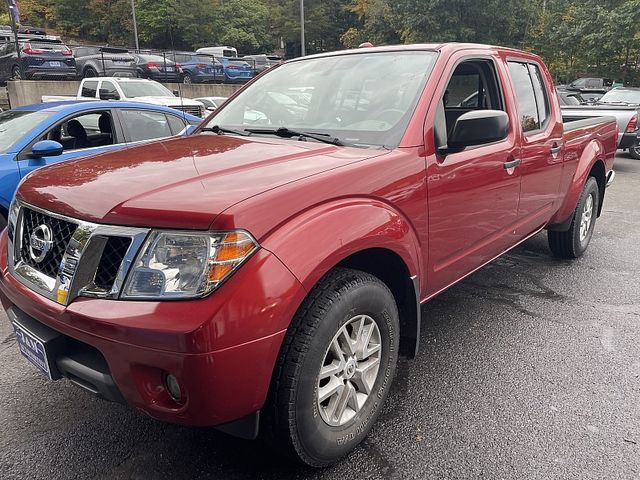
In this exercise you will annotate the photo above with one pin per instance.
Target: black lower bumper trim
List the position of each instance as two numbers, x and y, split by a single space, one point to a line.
82 364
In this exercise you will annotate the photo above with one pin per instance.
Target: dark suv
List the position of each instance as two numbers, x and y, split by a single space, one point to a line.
105 62
41 57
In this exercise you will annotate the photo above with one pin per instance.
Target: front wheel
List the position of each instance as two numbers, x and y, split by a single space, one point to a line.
187 79
635 152
574 242
335 368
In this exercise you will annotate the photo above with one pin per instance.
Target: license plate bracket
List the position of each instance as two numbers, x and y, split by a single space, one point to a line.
37 343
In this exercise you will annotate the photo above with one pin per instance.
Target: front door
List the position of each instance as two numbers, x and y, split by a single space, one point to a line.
472 195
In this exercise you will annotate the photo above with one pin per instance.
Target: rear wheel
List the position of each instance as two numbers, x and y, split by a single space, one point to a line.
635 152
90 72
574 242
16 74
335 368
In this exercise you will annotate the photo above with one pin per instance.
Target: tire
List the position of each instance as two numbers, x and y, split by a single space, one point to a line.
89 72
574 242
635 152
187 79
16 74
343 303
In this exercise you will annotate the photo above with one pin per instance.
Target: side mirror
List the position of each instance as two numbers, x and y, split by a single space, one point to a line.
478 128
176 93
188 130
46 148
108 95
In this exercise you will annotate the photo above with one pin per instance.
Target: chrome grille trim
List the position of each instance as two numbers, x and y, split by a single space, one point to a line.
76 272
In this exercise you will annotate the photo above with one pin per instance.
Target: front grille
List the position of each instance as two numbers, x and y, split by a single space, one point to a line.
110 261
191 110
61 231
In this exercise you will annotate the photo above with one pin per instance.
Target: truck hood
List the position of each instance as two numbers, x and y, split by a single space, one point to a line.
183 182
167 101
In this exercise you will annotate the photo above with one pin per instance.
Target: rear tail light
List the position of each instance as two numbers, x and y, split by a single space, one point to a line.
632 126
234 67
153 65
29 50
201 65
67 52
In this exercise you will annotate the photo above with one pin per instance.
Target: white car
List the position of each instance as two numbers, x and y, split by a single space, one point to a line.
132 89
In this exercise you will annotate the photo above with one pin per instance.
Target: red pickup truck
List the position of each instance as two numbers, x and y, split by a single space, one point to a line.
265 271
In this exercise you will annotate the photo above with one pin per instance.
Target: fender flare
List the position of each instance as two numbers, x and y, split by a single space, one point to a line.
592 153
316 240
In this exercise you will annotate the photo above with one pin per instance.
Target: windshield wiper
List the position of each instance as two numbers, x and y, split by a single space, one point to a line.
219 130
285 132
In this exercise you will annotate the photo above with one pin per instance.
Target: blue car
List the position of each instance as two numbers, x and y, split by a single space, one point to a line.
198 68
45 133
236 71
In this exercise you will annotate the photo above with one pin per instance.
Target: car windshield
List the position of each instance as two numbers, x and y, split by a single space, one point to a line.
364 99
135 89
621 96
14 124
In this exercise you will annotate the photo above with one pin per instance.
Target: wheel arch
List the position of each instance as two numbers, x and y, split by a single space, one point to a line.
364 234
590 163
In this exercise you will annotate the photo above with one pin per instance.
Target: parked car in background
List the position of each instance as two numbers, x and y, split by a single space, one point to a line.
261 63
197 68
46 133
236 70
41 57
157 67
104 62
229 52
31 30
211 103
591 83
269 278
567 97
616 103
135 89
621 96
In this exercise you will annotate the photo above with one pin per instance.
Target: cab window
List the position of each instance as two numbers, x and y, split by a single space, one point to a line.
89 89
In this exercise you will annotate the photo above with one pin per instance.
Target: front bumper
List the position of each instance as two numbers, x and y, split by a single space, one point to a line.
221 348
627 140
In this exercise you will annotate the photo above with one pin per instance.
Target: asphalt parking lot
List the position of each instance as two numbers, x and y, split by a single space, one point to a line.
528 369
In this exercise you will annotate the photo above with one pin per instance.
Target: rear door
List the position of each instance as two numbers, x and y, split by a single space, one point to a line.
541 141
472 197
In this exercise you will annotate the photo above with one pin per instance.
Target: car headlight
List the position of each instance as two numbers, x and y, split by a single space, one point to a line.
186 264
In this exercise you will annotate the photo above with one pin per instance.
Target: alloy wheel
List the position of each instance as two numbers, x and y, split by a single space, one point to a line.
349 370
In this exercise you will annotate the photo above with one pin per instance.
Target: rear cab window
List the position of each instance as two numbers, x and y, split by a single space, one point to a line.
532 98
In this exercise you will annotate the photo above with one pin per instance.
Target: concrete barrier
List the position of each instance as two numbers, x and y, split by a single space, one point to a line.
26 92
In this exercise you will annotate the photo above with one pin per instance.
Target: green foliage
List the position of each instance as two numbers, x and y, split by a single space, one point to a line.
575 37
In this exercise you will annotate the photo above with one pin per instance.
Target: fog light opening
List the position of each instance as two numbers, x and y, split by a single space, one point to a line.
173 387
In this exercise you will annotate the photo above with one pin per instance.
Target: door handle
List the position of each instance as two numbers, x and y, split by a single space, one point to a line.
555 149
511 164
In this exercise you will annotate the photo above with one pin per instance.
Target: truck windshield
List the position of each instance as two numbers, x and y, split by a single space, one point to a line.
621 96
364 99
133 89
14 124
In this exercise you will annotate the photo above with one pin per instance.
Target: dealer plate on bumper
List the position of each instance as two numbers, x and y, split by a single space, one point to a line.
33 349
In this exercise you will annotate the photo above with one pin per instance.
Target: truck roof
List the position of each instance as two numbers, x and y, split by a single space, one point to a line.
433 47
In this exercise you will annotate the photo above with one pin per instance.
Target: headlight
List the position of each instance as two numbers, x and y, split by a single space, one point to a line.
186 264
